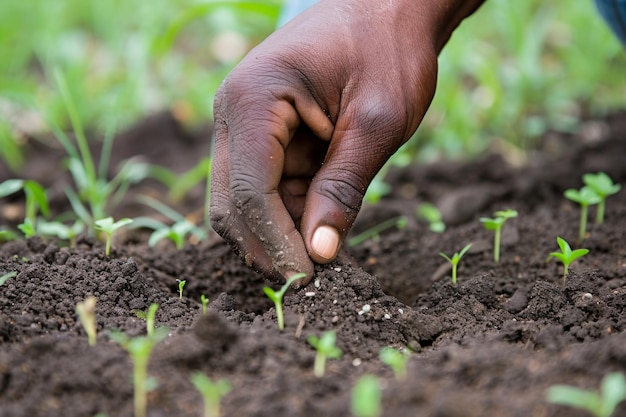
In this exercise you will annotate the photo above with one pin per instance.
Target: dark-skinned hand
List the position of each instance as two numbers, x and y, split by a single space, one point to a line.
306 120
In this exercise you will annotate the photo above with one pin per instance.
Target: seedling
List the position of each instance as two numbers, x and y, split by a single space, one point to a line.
432 215
205 302
326 349
567 256
108 226
585 197
366 397
95 193
86 311
455 260
36 200
496 224
277 297
600 404
373 232
149 316
603 186
61 231
4 278
396 360
140 349
212 392
176 233
181 285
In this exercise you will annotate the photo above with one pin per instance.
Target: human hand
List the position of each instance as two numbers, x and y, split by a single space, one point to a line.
306 120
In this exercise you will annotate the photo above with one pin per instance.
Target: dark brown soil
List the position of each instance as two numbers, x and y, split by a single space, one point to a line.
490 346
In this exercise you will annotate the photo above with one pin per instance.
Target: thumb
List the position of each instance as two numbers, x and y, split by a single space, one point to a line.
359 147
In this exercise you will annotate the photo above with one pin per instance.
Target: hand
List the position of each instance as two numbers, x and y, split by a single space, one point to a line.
306 120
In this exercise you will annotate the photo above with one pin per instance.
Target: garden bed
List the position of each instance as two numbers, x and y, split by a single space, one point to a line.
491 346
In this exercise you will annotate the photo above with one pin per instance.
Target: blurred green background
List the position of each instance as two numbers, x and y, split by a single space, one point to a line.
510 72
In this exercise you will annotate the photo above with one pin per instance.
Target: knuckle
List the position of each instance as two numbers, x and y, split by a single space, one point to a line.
344 193
244 191
221 219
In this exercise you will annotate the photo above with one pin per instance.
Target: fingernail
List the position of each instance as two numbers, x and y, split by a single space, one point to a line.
325 242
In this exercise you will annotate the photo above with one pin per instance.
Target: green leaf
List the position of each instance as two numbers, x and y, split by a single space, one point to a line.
564 246
575 397
585 196
4 278
601 183
37 193
492 224
613 391
9 187
366 397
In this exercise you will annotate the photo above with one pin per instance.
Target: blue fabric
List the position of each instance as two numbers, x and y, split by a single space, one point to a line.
292 8
614 12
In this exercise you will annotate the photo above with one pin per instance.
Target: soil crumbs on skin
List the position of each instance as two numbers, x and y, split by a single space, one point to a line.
490 346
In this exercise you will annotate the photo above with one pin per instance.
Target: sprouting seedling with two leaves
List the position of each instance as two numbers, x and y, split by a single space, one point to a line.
212 392
109 227
277 297
599 404
396 360
585 197
604 187
36 200
496 224
326 349
455 259
567 255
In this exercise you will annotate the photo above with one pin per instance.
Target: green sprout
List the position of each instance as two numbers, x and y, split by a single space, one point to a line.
396 360
149 316
36 200
373 232
366 397
277 297
95 192
205 302
140 349
432 215
600 404
61 231
585 197
567 256
326 349
212 392
108 226
603 186
86 311
181 285
496 224
4 278
455 260
176 233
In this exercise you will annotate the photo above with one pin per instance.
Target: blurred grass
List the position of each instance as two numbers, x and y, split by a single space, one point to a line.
509 73
122 58
516 69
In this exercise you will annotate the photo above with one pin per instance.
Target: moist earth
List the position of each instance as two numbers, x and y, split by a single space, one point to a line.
489 346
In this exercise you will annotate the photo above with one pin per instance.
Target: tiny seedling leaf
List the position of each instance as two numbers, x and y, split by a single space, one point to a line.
601 184
366 397
4 278
277 297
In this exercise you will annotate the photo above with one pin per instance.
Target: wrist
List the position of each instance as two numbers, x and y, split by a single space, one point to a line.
436 19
